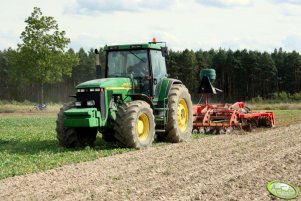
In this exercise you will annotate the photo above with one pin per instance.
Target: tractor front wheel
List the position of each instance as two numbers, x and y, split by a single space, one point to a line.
135 125
86 136
108 135
73 137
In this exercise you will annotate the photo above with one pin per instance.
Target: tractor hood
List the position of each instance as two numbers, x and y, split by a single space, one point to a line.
107 83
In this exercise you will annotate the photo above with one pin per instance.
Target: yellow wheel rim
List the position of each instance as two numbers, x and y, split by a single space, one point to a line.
182 115
142 127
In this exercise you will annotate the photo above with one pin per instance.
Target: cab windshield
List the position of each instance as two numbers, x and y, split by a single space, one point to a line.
126 62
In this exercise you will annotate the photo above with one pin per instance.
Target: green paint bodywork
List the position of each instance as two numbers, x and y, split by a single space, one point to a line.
106 83
163 90
90 117
115 92
82 117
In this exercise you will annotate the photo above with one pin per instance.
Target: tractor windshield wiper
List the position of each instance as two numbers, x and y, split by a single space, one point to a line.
136 56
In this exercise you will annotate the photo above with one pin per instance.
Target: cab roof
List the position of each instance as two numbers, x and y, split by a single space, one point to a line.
133 46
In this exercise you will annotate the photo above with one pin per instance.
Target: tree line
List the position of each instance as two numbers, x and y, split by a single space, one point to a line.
241 74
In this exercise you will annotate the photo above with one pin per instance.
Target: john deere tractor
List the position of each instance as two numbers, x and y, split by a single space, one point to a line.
129 103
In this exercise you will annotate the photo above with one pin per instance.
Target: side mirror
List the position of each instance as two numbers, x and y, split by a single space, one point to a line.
164 51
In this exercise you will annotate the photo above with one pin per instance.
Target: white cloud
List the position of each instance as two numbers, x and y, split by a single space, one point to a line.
166 36
250 43
292 42
87 41
8 39
193 24
225 3
295 2
93 7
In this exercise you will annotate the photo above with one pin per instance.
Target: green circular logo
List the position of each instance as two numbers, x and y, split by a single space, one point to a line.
283 190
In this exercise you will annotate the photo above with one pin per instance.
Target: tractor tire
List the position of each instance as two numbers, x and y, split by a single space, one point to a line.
86 136
179 122
108 135
73 137
135 125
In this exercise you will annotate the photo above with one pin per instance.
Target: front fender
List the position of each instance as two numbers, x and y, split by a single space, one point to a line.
143 98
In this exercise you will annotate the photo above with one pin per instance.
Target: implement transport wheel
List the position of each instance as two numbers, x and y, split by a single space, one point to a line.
73 137
135 125
179 123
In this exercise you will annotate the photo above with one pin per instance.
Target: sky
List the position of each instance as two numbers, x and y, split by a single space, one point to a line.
261 25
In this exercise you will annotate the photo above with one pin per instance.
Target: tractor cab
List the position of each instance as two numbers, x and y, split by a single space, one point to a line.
144 64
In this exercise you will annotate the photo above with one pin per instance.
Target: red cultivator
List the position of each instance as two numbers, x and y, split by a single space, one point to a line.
224 117
221 118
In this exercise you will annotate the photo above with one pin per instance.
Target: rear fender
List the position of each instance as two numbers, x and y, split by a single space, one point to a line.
165 88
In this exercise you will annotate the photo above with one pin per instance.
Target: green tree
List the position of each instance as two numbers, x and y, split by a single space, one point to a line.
204 58
268 75
4 74
294 72
43 58
85 70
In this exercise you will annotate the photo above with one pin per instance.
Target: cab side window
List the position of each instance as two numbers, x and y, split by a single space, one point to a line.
158 64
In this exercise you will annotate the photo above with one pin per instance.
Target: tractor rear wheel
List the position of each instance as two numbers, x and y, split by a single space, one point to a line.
135 125
73 137
179 122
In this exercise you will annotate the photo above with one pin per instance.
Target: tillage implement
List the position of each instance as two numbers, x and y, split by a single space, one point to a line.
222 118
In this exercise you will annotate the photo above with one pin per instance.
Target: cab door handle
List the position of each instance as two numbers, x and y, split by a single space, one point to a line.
155 81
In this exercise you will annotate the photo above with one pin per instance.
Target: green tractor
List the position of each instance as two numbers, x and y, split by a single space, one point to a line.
131 101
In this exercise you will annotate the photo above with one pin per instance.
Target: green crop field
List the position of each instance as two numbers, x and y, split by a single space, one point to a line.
28 143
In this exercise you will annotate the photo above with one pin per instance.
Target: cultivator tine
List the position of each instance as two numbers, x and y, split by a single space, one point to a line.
229 130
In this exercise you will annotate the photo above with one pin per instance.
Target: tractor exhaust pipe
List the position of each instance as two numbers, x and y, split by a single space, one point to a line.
98 68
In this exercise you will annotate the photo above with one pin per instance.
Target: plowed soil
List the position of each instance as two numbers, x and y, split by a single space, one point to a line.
221 167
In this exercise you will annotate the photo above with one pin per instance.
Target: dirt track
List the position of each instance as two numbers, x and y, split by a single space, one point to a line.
224 167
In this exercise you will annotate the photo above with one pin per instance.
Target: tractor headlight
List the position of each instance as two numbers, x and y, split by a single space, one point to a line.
90 103
78 104
80 90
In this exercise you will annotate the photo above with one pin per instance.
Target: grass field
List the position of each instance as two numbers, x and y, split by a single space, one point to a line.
28 143
25 107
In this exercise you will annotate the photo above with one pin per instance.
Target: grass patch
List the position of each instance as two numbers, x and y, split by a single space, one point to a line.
199 135
274 106
28 143
287 117
26 107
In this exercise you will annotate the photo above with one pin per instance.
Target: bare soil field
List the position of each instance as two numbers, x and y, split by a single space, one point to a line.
221 167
